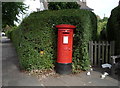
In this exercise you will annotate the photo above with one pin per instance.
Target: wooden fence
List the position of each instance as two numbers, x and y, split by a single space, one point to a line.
100 52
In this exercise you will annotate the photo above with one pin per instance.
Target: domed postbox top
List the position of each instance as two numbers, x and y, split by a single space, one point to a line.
65 26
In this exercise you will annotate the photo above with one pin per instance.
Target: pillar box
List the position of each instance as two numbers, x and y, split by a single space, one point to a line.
64 48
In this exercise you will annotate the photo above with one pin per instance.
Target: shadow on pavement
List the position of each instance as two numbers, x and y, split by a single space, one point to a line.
109 71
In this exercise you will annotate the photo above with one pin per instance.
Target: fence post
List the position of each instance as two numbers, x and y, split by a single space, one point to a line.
103 51
95 53
112 44
91 51
111 49
106 60
99 53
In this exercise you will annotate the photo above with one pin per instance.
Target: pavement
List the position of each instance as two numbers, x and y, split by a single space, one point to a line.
12 76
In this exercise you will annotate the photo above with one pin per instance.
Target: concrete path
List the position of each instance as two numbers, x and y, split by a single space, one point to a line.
80 80
13 77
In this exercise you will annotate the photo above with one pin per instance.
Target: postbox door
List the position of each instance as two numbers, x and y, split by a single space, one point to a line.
67 48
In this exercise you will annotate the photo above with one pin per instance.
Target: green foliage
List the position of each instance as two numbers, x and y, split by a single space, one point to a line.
9 31
36 33
63 5
113 28
10 11
102 23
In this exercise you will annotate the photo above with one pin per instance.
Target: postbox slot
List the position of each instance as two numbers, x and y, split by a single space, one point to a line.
65 32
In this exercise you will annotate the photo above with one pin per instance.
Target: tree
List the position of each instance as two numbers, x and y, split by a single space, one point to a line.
63 5
102 28
113 28
10 11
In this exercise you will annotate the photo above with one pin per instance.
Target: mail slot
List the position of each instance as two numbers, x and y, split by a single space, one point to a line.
64 48
65 32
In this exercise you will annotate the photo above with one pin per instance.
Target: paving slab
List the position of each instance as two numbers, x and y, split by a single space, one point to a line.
80 79
11 75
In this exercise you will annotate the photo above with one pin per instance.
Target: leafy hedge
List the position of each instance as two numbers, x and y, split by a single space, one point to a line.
113 28
63 5
9 31
36 38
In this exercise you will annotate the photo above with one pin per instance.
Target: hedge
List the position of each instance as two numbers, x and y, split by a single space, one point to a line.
63 5
36 38
113 28
9 31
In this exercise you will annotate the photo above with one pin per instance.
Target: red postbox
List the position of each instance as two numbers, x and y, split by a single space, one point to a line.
64 48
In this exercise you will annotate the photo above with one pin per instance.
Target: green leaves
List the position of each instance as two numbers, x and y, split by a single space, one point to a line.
39 34
63 5
113 28
10 11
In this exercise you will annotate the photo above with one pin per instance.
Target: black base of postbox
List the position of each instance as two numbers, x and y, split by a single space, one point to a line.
63 68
